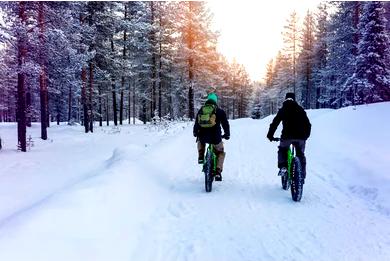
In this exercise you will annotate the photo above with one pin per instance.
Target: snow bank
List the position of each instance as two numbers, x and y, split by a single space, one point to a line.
354 144
136 193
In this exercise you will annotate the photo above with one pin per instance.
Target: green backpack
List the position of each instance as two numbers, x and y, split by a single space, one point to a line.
207 116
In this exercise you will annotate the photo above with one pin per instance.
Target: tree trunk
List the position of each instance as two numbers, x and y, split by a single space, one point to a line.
84 98
69 104
114 108
318 96
234 107
58 112
90 111
190 70
123 78
42 75
143 116
129 102
121 101
134 101
28 107
170 104
21 95
160 69
47 107
107 112
160 83
100 106
153 43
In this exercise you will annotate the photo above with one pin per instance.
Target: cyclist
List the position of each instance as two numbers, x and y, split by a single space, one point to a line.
296 130
207 129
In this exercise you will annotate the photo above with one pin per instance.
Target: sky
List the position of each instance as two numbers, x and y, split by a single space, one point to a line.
251 31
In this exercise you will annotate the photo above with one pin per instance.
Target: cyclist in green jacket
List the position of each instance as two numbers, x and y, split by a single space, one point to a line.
207 129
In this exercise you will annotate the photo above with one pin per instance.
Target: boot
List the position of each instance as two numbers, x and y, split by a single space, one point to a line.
200 159
282 171
218 175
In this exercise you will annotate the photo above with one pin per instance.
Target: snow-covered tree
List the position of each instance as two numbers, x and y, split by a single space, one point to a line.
305 62
198 42
371 80
341 43
320 52
291 48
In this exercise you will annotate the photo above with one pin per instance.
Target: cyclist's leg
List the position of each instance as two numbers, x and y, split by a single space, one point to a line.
282 153
300 149
220 152
201 151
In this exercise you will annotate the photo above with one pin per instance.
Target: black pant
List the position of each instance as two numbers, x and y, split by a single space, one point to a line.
300 152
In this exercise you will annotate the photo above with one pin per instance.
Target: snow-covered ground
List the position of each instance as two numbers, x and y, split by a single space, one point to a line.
138 194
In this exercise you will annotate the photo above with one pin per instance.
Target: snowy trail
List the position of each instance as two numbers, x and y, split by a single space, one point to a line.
248 216
147 202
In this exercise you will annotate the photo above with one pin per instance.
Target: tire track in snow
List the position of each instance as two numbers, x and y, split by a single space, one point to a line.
248 216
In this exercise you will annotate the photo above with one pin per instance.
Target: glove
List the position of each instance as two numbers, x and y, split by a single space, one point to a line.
270 137
195 134
226 137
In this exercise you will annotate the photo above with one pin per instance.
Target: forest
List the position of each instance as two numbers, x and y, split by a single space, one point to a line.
95 63
337 56
86 62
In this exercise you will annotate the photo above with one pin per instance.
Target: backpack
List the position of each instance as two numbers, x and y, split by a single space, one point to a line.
207 116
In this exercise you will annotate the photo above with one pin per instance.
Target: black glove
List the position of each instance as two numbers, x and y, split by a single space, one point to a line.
270 137
225 136
195 134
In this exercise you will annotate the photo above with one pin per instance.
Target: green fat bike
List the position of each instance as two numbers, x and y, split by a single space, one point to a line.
209 167
294 178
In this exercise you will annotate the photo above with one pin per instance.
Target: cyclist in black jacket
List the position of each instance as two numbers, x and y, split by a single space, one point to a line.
296 130
211 133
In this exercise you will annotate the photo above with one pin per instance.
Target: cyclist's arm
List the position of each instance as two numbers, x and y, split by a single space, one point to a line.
307 126
196 126
275 123
225 123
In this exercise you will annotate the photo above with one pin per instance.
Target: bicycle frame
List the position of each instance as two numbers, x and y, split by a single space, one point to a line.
290 157
295 180
210 149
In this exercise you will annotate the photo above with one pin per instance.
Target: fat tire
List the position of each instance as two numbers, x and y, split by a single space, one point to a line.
296 180
208 173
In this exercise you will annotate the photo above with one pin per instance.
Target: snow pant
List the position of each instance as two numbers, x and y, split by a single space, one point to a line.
300 152
219 151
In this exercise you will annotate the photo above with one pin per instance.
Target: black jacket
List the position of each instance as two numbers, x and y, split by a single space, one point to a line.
212 135
296 124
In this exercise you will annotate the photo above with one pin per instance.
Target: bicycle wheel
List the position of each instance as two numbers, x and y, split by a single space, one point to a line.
208 172
296 180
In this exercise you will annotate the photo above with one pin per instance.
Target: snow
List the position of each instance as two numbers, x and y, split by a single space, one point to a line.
137 194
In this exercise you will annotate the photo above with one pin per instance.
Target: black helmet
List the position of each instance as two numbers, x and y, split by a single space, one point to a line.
290 95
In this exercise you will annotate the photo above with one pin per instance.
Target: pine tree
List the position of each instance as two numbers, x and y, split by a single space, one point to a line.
320 53
305 61
198 41
371 79
342 34
291 38
283 81
21 88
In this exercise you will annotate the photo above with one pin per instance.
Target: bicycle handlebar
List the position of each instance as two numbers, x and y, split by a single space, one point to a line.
276 139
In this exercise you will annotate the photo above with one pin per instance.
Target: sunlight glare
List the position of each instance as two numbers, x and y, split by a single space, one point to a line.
251 31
